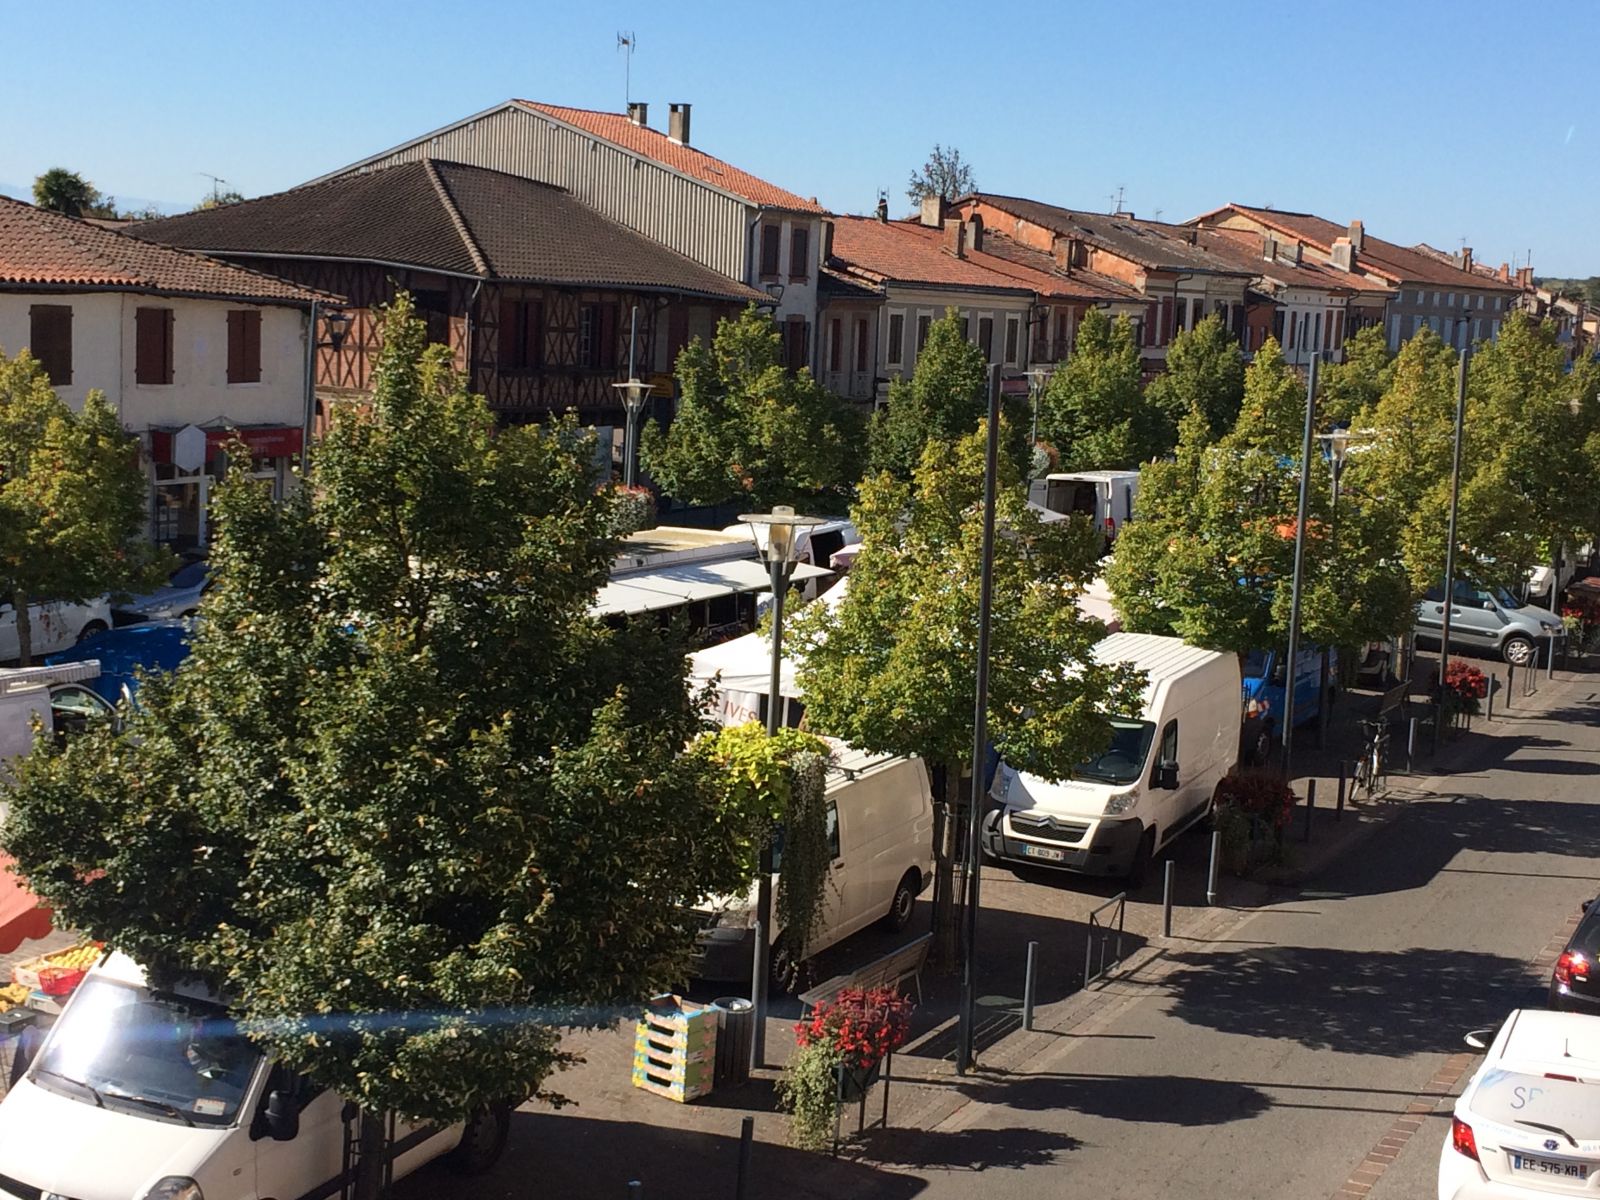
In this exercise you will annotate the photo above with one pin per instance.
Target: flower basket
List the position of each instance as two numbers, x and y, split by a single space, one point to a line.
840 1051
1464 688
856 1082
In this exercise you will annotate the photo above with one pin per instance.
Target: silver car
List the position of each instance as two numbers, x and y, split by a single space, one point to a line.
1486 621
179 598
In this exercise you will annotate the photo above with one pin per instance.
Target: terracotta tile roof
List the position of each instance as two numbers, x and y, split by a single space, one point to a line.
1153 245
1082 284
619 130
840 284
910 252
1397 264
46 248
1246 248
449 217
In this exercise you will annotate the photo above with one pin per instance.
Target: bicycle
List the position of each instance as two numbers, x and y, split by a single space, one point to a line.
1374 763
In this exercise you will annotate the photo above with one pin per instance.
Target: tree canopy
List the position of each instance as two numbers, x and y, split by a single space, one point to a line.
945 174
944 399
72 498
1204 370
749 429
1094 409
68 192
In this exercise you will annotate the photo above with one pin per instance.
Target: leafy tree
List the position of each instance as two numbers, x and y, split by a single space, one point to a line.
945 174
1204 370
1357 383
943 400
1272 416
64 191
407 802
892 667
218 199
1094 410
72 499
749 429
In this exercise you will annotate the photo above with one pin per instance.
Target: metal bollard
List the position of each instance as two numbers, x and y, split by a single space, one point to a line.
1211 874
1166 898
1511 678
1550 659
1311 804
758 1019
635 1190
1338 801
1027 985
747 1133
1411 741
1488 712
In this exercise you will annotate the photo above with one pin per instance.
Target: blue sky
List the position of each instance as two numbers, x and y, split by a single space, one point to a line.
1430 121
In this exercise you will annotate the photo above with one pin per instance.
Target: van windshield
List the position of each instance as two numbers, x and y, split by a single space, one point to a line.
164 1057
1123 760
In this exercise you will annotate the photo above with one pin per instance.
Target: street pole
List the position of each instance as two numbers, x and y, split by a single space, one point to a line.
980 738
1299 567
1450 544
778 575
631 410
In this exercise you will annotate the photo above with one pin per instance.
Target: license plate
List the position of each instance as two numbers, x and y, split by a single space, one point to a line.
1551 1168
1044 852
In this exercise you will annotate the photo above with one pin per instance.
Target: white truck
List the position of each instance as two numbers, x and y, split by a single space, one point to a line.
1156 778
55 696
1105 497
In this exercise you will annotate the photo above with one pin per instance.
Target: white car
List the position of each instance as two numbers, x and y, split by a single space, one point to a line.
1528 1124
55 625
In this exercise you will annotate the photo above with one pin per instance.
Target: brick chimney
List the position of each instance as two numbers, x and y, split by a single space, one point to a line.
955 237
1357 235
678 123
639 112
933 212
1342 255
975 231
1466 258
827 240
1269 246
883 209
1294 250
1504 273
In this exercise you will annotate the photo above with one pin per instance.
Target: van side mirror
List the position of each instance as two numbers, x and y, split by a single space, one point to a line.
283 1119
1280 674
1165 777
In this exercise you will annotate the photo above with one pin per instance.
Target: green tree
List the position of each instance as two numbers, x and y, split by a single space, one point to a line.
64 191
1273 413
892 667
407 803
942 401
217 198
945 174
1094 409
72 499
1204 370
748 429
1345 389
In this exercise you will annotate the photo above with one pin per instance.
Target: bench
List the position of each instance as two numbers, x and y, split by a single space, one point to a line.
891 970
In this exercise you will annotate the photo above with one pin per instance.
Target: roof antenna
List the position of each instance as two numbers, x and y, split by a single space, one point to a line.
216 185
629 41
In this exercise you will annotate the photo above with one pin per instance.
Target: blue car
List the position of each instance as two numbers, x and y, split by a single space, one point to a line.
1265 693
154 646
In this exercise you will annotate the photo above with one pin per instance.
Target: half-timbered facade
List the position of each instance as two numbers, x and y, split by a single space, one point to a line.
545 302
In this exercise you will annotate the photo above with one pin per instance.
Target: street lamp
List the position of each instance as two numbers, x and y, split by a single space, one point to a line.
1037 378
1299 566
633 393
1335 445
777 537
1455 503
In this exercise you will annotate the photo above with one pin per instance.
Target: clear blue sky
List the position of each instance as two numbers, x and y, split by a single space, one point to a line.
1430 121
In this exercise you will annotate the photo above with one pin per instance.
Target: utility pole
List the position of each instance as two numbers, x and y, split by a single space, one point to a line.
1450 544
1299 566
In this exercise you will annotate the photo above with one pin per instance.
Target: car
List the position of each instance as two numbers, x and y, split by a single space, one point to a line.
124 653
1528 1123
54 625
1484 620
178 597
1575 981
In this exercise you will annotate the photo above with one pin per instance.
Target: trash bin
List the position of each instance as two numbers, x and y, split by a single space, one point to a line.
735 1016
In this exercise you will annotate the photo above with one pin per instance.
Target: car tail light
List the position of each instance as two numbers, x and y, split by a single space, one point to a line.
1461 1138
1571 966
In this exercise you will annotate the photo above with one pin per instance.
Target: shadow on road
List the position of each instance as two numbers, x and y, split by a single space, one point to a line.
965 1149
1144 1099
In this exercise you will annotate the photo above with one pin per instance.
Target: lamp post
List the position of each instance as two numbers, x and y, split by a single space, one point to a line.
1335 444
337 323
777 536
1037 378
1299 567
1450 543
633 393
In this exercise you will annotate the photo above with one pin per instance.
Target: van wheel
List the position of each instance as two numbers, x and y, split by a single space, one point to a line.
483 1140
1139 869
1518 651
904 902
785 973
92 629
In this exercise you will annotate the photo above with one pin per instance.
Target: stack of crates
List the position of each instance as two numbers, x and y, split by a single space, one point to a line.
675 1049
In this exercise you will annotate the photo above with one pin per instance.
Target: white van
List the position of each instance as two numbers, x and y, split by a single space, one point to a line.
54 696
1105 497
880 824
137 1094
1156 778
53 625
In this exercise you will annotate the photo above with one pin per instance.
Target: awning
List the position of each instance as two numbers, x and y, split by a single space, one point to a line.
22 917
688 584
265 441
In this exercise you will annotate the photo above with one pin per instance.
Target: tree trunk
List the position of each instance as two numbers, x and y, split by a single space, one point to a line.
371 1152
945 810
19 606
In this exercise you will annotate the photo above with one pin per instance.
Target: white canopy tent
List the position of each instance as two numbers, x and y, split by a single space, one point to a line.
688 583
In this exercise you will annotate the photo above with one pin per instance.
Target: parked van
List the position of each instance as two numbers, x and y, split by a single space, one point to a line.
1105 497
1265 689
53 625
139 1094
61 698
1493 622
880 830
1157 777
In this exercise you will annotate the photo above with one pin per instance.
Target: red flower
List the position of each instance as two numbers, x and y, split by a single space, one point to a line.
862 1024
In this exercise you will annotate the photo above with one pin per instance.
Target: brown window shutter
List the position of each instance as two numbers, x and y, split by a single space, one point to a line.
511 348
252 346
799 253
236 371
861 344
166 345
146 349
50 340
836 350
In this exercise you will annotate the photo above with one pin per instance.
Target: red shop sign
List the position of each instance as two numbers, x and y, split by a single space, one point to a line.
264 441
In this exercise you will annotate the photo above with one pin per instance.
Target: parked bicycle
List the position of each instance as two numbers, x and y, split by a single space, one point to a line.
1374 762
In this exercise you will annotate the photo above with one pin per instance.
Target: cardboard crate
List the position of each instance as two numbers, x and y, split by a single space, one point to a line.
675 1049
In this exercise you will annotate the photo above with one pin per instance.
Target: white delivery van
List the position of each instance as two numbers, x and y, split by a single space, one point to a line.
55 696
137 1094
1156 778
880 829
1105 497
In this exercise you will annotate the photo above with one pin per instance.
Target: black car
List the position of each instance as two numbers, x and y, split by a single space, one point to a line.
1575 983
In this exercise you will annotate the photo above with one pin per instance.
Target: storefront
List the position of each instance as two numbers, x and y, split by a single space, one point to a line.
185 464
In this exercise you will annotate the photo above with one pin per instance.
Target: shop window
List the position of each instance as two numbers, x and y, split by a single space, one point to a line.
152 358
244 345
50 340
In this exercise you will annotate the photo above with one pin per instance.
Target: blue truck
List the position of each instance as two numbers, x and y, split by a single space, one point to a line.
1265 690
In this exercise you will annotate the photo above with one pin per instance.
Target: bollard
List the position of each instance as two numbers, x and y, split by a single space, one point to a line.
1550 659
1027 985
758 1041
747 1132
1338 801
1311 804
1488 712
635 1190
1211 874
1411 742
1511 678
1166 899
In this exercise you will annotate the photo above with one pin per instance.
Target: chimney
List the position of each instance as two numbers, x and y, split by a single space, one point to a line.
1466 259
639 112
883 209
1357 237
1269 246
975 231
1342 255
1293 255
955 237
1525 277
678 123
933 212
1504 273
827 240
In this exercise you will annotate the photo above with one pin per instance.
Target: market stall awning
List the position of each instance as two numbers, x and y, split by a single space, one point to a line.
22 916
688 584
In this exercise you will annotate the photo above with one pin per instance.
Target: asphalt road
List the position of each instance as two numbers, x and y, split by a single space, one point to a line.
1269 1065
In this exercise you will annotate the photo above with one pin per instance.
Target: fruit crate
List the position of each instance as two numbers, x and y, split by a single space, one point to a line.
57 972
675 1049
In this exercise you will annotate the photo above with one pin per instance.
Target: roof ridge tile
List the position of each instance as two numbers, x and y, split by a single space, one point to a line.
448 201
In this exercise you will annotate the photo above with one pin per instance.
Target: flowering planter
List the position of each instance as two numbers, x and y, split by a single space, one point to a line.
856 1082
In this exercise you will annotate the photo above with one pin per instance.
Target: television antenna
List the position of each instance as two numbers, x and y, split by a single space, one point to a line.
216 185
628 41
